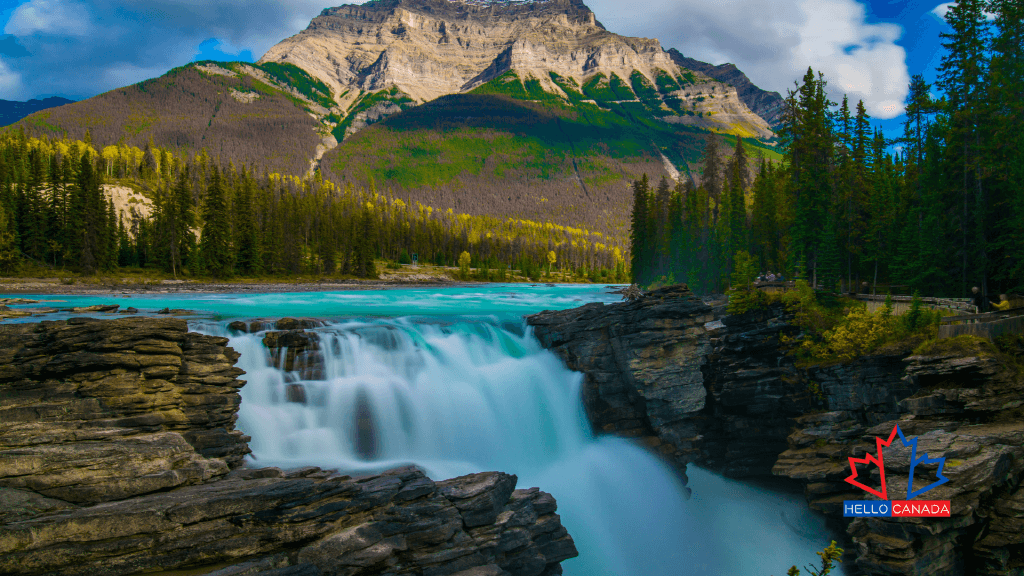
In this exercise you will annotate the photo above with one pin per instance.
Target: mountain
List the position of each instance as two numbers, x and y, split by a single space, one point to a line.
264 116
767 105
424 49
528 109
11 111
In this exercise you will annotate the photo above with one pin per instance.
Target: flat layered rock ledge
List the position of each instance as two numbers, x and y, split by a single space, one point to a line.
118 455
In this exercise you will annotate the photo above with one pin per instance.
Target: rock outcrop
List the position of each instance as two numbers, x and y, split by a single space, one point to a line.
118 455
641 363
961 408
147 404
767 105
749 411
303 522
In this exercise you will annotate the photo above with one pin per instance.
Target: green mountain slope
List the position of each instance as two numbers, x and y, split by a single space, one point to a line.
266 116
512 149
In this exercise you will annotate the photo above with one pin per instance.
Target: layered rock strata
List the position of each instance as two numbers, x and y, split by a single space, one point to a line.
641 363
431 48
758 414
767 105
963 409
308 522
118 455
67 387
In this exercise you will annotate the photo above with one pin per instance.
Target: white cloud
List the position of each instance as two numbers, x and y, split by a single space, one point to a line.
774 43
118 74
49 17
941 9
79 48
10 83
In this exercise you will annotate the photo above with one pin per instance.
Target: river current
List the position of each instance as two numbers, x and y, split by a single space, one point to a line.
451 380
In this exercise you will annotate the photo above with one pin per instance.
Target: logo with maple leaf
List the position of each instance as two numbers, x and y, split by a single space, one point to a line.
879 460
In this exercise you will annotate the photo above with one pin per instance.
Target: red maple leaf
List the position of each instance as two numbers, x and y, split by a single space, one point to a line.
871 459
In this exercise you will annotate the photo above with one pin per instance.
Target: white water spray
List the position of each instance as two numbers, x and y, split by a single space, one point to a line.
460 396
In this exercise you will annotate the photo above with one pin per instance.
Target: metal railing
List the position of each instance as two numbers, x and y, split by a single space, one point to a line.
987 325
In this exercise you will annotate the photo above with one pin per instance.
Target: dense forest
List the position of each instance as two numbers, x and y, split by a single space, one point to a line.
213 219
940 209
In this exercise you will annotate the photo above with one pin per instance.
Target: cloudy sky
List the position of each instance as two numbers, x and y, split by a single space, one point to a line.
868 49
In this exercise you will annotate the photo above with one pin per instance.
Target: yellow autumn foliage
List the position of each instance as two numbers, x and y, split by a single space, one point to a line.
859 333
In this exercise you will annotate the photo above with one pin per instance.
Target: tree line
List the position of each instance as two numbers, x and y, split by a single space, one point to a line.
214 219
939 210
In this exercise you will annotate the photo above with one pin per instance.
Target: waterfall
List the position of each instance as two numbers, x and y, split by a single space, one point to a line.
461 395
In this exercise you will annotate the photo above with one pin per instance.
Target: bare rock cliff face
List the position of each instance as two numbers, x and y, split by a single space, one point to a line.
728 398
118 455
641 363
431 48
767 105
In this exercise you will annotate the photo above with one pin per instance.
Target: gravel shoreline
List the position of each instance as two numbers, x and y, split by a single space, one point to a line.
18 287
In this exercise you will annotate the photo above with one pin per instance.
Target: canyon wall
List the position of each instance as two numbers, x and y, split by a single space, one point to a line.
724 395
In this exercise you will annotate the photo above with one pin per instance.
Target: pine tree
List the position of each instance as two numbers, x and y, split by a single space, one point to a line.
828 268
1006 153
737 231
639 242
215 242
962 76
246 234
8 249
713 174
662 228
87 213
110 222
368 236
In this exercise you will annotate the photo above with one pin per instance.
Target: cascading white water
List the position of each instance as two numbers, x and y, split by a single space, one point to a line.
467 395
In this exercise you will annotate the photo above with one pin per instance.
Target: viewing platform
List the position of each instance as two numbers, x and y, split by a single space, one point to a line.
964 319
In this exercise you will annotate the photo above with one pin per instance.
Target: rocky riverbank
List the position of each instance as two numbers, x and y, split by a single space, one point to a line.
118 455
725 396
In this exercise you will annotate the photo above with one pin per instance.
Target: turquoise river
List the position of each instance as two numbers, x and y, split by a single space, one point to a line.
451 380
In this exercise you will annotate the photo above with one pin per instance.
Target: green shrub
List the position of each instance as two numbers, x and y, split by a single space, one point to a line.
743 297
829 556
840 330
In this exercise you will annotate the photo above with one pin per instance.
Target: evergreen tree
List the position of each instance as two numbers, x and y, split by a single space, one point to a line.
1006 153
110 221
737 231
215 242
828 272
714 173
246 234
87 211
962 76
638 236
662 227
8 249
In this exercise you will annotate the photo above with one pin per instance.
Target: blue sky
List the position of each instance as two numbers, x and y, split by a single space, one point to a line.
80 48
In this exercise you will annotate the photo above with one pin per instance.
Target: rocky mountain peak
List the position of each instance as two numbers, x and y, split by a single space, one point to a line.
425 49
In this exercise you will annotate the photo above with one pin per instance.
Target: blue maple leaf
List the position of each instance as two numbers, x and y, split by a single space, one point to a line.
914 461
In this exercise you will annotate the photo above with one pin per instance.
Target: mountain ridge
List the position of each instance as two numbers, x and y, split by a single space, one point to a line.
12 110
767 105
431 48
